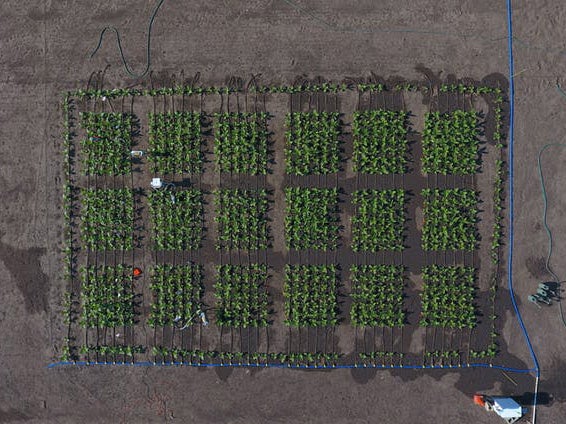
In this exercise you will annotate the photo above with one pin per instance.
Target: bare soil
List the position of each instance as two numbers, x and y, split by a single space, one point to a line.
44 51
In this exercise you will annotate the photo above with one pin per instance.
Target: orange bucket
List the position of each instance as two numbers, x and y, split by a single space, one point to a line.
137 272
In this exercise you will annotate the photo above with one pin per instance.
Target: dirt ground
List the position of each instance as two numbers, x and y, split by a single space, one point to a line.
44 50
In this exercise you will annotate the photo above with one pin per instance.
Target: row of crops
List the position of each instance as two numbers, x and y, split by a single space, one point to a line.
312 296
312 147
311 220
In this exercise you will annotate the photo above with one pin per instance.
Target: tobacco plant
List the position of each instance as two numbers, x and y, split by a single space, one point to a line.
311 295
450 217
311 219
242 218
177 295
242 296
312 143
379 221
175 142
106 149
380 141
377 296
177 218
111 350
448 297
107 296
107 219
450 143
241 142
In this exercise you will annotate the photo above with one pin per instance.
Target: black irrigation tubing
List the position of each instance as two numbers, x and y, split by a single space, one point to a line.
154 230
135 220
148 51
548 268
95 252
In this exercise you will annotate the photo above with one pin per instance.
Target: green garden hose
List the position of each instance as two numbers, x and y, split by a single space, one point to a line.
546 227
151 19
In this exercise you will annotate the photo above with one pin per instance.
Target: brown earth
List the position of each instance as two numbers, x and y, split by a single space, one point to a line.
44 50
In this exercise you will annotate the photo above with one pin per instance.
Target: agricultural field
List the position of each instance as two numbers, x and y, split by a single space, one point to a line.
384 82
289 230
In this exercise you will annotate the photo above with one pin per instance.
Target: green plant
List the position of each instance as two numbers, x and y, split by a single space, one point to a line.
450 219
448 297
242 218
377 296
450 143
311 221
380 141
175 142
383 357
112 350
363 87
311 295
107 296
183 355
240 142
107 219
177 295
379 221
312 140
106 149
177 218
242 297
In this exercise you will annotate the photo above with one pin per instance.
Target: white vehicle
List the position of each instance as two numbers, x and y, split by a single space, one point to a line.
505 407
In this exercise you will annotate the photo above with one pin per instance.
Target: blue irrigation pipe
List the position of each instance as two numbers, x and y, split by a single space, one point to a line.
535 369
295 366
511 199
511 194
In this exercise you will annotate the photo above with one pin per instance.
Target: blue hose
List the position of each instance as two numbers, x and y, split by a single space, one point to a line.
511 196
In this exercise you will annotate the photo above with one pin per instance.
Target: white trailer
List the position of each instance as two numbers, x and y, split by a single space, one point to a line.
505 407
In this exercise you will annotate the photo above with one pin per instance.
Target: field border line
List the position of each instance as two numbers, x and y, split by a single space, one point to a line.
293 366
333 88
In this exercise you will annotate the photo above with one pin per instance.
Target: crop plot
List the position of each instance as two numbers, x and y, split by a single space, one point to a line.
311 295
241 294
176 218
177 295
448 297
450 219
107 297
377 296
380 141
450 143
365 247
175 142
379 220
312 143
311 221
107 219
241 142
106 147
242 218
